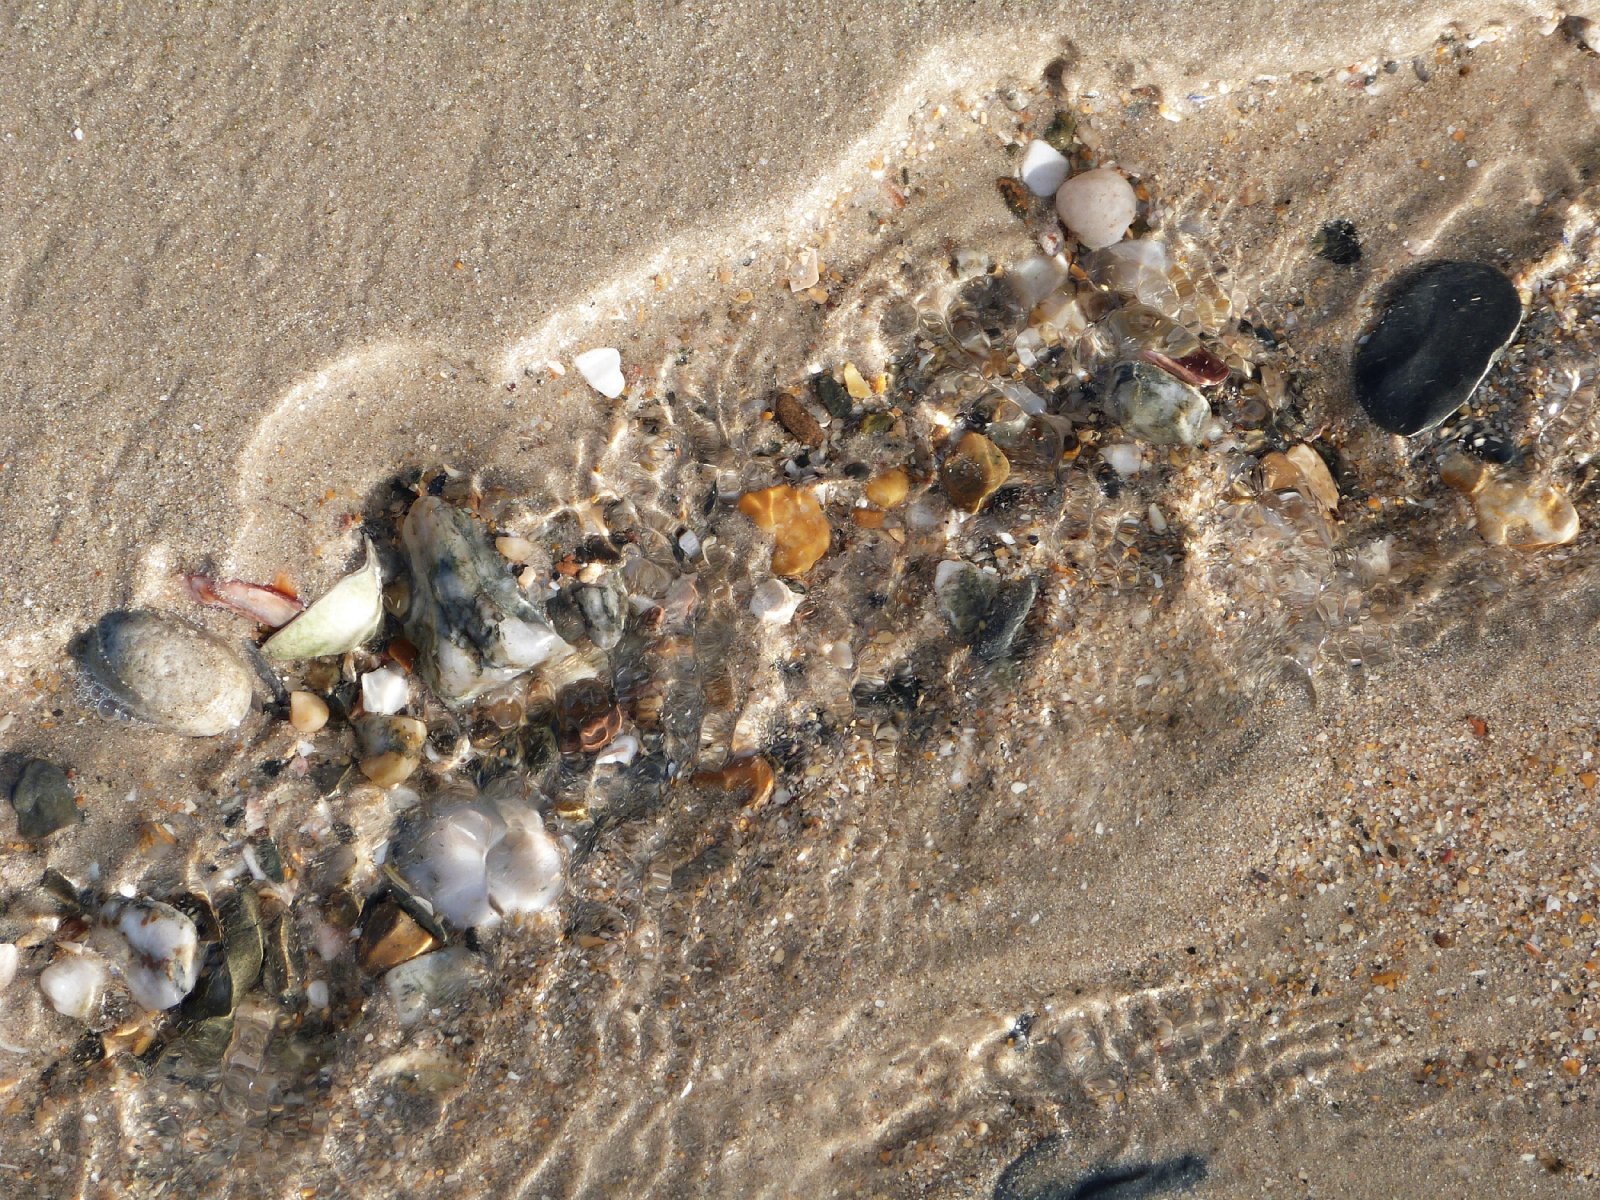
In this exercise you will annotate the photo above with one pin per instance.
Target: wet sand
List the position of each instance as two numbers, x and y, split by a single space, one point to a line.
1327 932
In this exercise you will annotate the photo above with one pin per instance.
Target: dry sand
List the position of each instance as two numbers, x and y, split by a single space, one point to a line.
259 263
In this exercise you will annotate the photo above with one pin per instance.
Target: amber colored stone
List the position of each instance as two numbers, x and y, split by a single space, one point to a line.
753 777
972 472
391 936
890 488
868 518
796 520
1528 517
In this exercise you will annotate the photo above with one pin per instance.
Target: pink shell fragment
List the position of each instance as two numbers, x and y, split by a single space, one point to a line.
1199 368
262 604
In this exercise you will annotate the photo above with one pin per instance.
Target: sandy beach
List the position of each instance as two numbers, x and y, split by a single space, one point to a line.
1261 858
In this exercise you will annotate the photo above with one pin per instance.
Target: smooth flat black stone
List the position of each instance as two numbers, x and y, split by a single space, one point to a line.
43 800
1440 328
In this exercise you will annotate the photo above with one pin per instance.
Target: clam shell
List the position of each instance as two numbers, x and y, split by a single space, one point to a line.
161 669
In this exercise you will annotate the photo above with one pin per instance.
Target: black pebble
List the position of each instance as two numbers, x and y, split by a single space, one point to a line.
1440 329
43 800
1338 242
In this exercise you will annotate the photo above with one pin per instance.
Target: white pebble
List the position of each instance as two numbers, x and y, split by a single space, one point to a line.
1043 168
73 983
1097 206
621 751
839 655
602 369
8 964
773 602
478 862
317 993
1124 458
689 543
385 690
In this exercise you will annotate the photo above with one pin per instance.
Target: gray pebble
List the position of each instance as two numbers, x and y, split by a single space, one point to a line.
43 800
161 669
1155 406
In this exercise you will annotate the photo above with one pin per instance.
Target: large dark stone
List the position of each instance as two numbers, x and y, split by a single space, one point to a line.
1439 330
43 800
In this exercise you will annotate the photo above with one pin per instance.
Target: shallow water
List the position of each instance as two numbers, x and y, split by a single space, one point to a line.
1216 865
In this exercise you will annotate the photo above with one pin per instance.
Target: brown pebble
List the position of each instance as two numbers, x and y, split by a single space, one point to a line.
868 518
391 936
797 419
389 769
973 471
797 521
890 488
752 776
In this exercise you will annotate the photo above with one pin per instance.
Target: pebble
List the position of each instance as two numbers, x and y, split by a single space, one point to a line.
1125 458
164 949
308 712
1155 406
1339 243
9 957
514 549
796 520
73 985
1044 169
163 670
973 471
385 691
43 799
984 611
890 488
797 419
773 602
1301 466
601 368
1527 516
390 935
1097 207
432 981
1439 331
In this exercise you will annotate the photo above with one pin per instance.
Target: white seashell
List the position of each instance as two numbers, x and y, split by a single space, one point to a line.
602 369
347 614
385 690
73 985
1043 168
622 751
1097 206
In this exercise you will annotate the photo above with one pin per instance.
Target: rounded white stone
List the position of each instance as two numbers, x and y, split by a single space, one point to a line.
1097 206
773 602
385 690
1043 168
73 983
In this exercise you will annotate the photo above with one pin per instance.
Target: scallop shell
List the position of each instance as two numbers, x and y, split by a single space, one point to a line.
161 669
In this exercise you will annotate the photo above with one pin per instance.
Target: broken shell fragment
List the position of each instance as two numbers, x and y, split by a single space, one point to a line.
973 471
601 369
262 604
347 615
164 947
161 669
796 520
